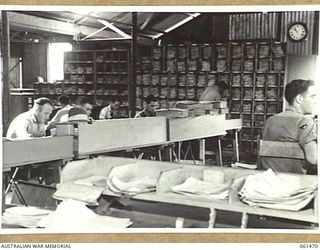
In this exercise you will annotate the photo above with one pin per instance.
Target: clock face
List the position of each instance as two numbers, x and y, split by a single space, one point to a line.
297 32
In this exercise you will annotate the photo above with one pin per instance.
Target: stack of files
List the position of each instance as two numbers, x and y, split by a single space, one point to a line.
278 64
264 51
221 65
74 215
207 51
182 51
190 105
156 53
205 189
132 187
88 193
24 216
271 191
172 112
277 50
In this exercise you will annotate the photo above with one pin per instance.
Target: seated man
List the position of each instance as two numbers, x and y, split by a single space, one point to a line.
62 114
85 104
110 111
31 123
294 125
216 92
150 103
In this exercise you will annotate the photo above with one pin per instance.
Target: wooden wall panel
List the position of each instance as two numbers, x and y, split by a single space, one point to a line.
34 63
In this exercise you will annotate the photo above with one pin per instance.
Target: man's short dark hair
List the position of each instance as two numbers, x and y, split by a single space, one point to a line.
42 101
64 99
83 100
296 87
222 86
150 98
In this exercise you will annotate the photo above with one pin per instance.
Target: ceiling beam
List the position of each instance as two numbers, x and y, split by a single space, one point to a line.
28 22
114 28
96 17
147 21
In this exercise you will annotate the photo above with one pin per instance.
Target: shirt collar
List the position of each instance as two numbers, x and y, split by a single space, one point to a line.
293 109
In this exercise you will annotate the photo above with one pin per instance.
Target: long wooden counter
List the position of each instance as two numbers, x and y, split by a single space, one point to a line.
170 173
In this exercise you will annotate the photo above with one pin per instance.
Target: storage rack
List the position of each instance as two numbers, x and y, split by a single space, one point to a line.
95 74
255 72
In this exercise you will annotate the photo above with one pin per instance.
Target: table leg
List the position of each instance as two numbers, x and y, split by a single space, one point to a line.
220 152
236 145
244 220
212 217
202 150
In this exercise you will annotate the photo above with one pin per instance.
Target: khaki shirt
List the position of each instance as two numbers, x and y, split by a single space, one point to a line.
288 126
211 93
25 126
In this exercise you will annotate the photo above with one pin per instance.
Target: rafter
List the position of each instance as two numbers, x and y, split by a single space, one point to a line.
31 23
114 28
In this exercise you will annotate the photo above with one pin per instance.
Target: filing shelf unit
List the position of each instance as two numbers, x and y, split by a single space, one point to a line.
255 72
95 74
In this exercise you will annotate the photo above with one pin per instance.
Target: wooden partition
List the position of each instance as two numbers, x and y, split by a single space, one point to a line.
199 127
35 150
119 134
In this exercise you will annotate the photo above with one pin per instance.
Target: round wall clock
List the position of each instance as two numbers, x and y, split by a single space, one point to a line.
297 32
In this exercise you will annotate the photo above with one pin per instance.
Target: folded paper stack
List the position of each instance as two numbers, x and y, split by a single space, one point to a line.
276 191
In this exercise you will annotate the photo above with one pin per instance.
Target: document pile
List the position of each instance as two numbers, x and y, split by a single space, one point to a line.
277 192
75 215
24 216
131 180
198 188
132 187
80 192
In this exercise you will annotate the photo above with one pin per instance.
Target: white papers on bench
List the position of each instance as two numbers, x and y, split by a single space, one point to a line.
199 188
271 191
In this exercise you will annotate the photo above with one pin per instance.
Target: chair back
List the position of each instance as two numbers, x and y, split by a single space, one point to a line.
279 149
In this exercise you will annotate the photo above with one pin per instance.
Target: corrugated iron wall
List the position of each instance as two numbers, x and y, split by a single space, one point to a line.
274 25
304 47
253 26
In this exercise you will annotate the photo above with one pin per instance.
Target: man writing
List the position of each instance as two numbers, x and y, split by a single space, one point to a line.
31 123
294 125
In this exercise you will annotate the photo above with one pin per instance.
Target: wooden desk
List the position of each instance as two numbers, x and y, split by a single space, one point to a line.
113 135
36 150
202 127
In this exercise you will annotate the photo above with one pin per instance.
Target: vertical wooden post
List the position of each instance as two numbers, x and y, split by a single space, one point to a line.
133 74
5 50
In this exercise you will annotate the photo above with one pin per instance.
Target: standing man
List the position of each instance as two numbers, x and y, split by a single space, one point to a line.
31 123
150 104
295 124
216 92
110 111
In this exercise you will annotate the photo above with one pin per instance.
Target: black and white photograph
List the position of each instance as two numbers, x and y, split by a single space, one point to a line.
153 119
